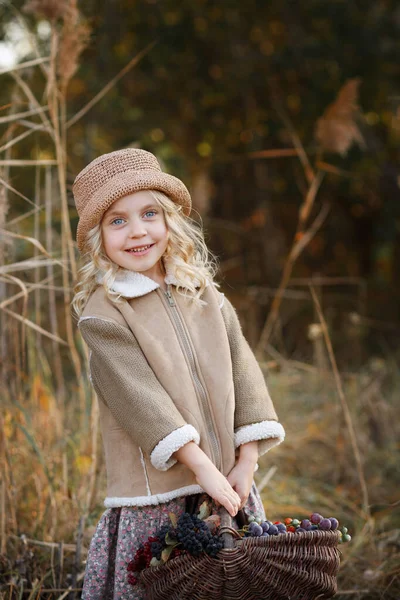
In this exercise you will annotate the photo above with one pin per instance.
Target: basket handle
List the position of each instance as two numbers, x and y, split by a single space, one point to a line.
226 529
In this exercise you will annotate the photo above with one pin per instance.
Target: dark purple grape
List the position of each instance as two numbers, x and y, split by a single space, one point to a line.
273 530
300 530
306 524
325 524
313 527
281 527
265 526
334 523
265 534
257 530
316 518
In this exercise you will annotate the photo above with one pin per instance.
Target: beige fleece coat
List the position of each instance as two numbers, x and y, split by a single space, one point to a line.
167 372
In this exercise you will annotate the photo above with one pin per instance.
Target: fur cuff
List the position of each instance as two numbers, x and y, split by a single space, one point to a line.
268 433
161 456
153 500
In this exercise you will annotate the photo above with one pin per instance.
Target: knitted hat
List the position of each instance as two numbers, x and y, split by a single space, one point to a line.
117 174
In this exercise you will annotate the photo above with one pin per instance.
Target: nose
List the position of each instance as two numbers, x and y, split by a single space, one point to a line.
137 229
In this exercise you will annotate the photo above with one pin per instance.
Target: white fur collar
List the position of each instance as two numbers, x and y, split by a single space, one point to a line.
131 284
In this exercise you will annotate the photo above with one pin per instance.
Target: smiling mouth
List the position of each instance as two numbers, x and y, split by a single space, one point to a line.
140 249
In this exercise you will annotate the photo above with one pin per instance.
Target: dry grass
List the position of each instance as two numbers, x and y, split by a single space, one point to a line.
316 470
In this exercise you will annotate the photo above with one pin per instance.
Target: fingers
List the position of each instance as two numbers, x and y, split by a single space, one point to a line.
232 502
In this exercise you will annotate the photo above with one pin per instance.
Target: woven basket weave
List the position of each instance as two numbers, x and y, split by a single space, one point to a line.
299 566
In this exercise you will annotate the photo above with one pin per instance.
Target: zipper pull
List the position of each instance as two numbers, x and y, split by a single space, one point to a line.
168 293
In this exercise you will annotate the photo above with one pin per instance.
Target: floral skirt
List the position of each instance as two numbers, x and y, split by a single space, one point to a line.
119 534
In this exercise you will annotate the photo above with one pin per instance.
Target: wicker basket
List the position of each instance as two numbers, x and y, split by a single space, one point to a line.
299 566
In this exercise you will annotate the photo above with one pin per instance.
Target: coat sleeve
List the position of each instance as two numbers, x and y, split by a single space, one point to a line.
255 416
123 379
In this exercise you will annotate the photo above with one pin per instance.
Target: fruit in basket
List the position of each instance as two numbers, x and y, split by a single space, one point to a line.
325 524
289 525
255 529
273 530
306 524
316 518
334 523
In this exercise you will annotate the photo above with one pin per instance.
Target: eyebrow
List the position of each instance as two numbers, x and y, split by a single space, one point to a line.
123 212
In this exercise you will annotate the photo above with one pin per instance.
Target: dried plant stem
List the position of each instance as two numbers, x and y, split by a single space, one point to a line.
26 65
308 170
34 326
343 401
110 85
12 189
36 272
27 163
274 153
28 113
20 137
297 247
51 292
29 94
57 115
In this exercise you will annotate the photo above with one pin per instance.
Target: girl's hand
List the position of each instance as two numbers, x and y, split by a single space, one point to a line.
242 474
218 487
241 479
208 477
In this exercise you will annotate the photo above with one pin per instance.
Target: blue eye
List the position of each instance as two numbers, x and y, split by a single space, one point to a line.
151 212
119 219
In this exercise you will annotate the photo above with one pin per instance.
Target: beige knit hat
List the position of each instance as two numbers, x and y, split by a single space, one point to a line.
117 174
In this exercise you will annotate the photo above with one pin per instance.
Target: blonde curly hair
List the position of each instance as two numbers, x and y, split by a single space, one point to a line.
188 258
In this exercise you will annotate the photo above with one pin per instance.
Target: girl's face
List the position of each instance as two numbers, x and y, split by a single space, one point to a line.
135 235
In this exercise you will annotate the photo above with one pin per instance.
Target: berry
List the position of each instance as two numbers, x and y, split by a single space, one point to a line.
306 524
316 518
295 522
281 527
300 530
273 530
288 520
265 526
257 530
325 524
334 523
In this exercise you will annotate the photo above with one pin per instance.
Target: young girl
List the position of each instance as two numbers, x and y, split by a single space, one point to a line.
184 408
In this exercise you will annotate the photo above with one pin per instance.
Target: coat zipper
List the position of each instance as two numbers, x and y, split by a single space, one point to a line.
198 384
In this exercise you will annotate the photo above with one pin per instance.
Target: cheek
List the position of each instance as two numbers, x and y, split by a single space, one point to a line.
110 239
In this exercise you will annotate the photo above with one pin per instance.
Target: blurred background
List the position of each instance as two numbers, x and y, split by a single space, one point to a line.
283 119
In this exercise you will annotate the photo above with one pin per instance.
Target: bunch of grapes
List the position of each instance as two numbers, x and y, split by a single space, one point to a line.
191 535
259 528
195 536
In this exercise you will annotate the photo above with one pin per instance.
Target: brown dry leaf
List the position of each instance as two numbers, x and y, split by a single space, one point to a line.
213 522
337 129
